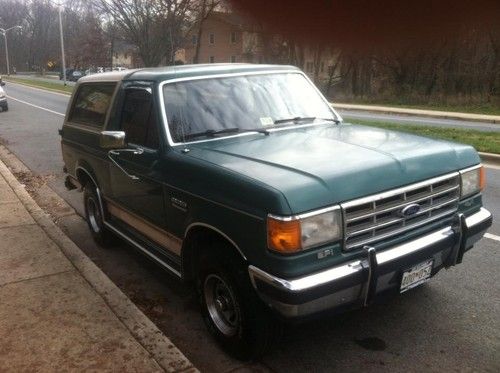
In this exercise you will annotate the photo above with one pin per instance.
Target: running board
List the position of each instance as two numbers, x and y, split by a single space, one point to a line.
143 249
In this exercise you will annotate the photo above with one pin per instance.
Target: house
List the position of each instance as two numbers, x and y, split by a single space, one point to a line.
125 55
230 37
225 37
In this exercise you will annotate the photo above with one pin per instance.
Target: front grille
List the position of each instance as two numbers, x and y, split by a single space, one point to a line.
370 219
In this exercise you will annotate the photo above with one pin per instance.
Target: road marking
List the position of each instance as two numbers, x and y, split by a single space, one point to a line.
35 106
67 95
492 236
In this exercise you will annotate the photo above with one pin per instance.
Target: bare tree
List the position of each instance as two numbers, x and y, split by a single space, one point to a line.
154 27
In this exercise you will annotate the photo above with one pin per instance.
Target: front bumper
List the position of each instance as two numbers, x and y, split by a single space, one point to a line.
358 282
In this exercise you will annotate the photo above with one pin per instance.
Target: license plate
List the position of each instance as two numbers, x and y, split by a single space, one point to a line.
416 275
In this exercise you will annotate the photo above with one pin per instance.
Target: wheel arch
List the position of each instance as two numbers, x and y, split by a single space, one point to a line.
197 232
84 175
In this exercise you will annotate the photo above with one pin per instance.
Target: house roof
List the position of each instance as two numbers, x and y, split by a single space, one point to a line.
234 19
160 74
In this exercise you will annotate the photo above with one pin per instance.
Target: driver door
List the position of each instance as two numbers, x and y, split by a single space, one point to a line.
136 192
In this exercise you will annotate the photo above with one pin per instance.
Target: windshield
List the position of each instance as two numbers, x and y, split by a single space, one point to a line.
205 107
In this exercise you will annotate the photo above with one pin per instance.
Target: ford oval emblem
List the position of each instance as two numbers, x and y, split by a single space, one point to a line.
410 210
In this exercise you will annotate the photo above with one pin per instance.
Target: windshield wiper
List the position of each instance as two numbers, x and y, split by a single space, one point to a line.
213 133
304 119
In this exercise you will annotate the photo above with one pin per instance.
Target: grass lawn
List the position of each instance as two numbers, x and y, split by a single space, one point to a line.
487 109
483 141
41 84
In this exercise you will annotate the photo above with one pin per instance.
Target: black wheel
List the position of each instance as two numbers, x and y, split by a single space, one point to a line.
94 217
231 309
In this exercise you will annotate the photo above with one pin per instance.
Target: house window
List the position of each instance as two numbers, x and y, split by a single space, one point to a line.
309 67
233 37
193 39
211 59
211 38
232 59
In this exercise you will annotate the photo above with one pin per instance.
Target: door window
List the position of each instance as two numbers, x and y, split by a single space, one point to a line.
139 119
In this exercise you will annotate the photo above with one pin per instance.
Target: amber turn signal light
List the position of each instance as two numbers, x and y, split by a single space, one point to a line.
482 178
283 236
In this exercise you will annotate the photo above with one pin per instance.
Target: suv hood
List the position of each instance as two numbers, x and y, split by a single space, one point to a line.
321 165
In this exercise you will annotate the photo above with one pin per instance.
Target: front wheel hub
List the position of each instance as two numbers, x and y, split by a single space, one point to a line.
221 305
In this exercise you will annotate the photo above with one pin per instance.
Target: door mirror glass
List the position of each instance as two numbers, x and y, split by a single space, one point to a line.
112 139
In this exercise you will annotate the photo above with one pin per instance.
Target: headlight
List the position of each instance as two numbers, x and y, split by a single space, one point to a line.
472 181
292 234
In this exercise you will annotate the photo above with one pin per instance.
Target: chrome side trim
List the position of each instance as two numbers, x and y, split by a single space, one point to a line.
304 215
215 76
144 250
470 168
199 224
334 274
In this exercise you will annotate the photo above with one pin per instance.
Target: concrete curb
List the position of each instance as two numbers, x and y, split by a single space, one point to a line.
161 349
490 158
418 112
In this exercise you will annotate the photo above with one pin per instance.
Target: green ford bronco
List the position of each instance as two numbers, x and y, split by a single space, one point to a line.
243 180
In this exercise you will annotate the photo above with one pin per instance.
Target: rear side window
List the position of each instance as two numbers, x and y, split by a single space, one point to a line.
92 103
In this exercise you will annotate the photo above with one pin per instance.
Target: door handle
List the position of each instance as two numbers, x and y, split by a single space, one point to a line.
117 152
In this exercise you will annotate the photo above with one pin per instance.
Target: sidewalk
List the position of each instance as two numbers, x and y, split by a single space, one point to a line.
58 311
419 112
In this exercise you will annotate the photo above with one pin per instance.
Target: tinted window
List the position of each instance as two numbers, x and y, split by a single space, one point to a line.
91 104
139 119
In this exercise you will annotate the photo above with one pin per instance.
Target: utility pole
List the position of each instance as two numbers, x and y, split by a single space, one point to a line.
4 33
63 58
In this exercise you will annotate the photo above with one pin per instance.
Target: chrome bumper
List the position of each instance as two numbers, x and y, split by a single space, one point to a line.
358 281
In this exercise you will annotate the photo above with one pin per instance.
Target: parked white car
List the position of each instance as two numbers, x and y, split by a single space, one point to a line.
3 97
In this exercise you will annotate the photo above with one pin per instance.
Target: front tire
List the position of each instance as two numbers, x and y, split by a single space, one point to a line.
231 309
93 215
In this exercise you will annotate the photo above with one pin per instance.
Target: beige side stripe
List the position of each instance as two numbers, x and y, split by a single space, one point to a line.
158 235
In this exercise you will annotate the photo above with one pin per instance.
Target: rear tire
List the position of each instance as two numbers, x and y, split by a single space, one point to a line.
102 235
231 309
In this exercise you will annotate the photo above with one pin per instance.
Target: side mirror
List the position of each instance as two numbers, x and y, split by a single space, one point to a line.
112 139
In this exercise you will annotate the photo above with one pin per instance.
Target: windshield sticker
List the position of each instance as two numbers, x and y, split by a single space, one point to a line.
266 121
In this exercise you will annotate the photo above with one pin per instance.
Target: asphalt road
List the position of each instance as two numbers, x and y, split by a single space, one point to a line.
449 324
